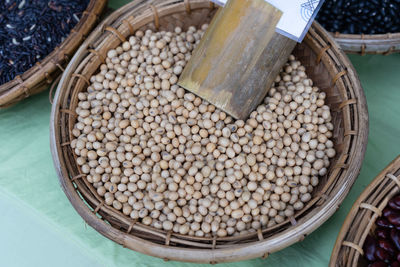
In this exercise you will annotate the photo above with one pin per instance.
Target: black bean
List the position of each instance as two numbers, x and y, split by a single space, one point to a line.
360 16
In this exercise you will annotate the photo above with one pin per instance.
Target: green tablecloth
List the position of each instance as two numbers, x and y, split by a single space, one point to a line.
39 227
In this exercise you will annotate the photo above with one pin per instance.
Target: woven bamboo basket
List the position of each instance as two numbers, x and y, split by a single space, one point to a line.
42 74
326 65
361 219
383 44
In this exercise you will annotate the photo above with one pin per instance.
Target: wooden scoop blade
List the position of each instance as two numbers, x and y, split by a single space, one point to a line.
238 57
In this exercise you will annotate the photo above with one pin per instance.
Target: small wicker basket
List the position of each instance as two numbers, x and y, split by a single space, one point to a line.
325 63
362 44
361 219
40 76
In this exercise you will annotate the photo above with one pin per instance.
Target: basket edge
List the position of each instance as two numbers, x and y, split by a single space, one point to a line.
355 207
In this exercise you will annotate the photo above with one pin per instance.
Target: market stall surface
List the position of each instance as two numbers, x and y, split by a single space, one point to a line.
39 227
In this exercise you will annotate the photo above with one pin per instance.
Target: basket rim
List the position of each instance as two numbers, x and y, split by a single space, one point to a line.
384 44
22 87
356 209
251 250
361 36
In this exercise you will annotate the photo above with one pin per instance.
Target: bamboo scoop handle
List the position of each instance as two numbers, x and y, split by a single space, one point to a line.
238 58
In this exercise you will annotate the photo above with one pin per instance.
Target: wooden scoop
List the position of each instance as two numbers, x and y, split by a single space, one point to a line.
238 58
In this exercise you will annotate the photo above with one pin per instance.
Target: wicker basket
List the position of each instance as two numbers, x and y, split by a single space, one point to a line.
326 65
42 74
383 44
361 219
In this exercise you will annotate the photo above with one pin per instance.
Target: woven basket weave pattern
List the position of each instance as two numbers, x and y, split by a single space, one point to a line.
362 44
326 65
361 219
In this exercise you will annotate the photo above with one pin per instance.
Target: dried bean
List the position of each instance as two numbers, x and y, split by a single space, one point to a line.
369 248
382 233
393 204
382 254
360 16
387 211
378 264
394 218
387 245
176 162
395 237
383 222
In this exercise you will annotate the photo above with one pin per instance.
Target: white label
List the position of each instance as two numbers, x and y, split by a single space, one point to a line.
297 17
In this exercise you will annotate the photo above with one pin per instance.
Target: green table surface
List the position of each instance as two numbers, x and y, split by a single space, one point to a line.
39 227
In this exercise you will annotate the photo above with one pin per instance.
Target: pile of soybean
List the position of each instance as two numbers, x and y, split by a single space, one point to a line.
169 159
360 16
